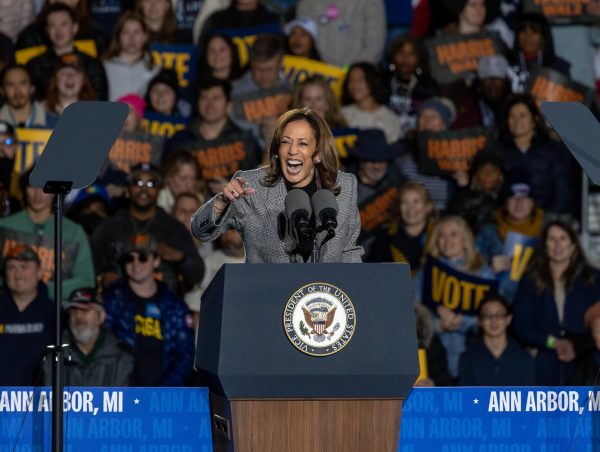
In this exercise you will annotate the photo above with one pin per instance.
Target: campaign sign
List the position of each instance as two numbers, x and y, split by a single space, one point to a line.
296 69
453 57
23 56
487 419
31 144
458 291
345 138
163 125
183 59
243 38
258 106
108 419
519 248
563 12
548 85
444 153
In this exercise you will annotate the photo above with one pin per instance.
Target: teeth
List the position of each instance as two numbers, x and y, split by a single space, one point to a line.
294 162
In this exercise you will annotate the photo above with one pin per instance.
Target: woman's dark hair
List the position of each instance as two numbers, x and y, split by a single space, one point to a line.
373 80
204 70
538 23
326 167
539 267
493 297
529 102
398 44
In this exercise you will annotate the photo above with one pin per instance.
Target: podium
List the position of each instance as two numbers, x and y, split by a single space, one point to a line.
307 356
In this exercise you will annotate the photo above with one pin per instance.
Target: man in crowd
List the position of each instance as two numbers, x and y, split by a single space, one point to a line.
20 110
262 95
97 357
241 14
379 179
61 28
219 145
34 226
150 318
178 255
26 318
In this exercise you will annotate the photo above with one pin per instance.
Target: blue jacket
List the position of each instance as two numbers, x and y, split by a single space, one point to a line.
536 317
175 323
549 165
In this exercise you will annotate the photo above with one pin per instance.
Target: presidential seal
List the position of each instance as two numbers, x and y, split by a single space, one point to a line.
319 319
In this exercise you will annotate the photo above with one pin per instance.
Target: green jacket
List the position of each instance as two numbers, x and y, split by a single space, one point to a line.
78 267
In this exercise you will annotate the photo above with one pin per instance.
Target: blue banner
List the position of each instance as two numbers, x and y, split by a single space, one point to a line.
108 419
183 59
163 125
519 419
458 291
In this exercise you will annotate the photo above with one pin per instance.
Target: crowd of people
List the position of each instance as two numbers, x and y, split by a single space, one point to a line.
506 220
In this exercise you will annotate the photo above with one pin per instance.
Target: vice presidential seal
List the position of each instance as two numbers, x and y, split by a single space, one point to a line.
319 319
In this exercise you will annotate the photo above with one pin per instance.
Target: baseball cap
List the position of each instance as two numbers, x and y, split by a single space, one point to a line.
140 168
21 252
142 243
308 25
495 66
83 298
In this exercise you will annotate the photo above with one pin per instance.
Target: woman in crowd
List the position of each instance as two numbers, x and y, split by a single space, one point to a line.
180 175
219 59
301 34
128 62
525 146
315 93
364 105
452 242
409 82
470 17
495 359
405 239
534 47
552 297
163 97
301 155
160 20
69 84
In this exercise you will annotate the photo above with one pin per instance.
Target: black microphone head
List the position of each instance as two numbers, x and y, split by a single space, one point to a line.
297 202
324 204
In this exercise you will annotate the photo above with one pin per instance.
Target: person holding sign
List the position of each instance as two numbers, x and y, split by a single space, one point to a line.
301 155
552 297
534 47
526 146
128 62
495 359
452 243
364 103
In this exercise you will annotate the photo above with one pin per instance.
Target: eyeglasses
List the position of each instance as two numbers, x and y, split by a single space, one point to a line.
130 258
495 316
145 183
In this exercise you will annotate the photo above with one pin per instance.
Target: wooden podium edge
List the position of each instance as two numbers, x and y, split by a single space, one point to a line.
319 425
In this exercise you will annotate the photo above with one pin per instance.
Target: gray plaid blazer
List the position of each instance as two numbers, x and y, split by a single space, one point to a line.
268 235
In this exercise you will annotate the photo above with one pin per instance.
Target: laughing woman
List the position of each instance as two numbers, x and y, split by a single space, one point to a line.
301 155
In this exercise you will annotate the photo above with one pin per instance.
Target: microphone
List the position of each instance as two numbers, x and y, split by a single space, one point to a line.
326 209
298 210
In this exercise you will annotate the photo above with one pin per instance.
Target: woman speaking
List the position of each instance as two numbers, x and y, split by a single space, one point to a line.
302 155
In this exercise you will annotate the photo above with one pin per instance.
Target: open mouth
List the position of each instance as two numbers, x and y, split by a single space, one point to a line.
294 166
